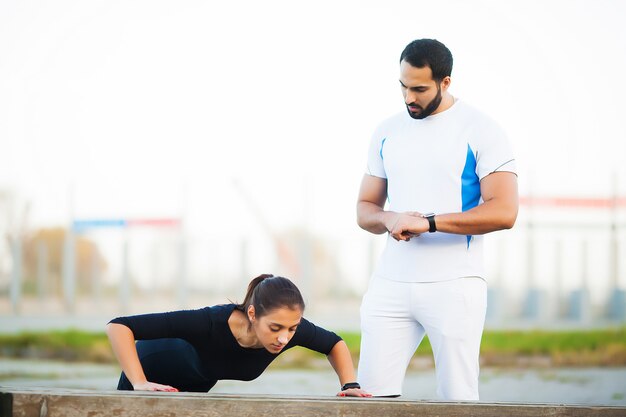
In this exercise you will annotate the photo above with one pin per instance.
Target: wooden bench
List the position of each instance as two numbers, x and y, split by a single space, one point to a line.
41 402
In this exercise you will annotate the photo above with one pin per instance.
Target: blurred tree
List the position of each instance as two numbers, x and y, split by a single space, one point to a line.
90 263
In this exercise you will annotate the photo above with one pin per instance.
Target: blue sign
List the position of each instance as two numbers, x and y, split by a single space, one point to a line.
81 225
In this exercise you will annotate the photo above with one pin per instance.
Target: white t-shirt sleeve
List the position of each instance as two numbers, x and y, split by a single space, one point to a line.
493 150
375 166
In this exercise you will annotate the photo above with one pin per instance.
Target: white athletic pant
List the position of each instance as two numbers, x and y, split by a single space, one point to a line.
396 315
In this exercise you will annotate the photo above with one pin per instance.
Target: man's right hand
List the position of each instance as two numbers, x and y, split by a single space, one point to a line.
404 226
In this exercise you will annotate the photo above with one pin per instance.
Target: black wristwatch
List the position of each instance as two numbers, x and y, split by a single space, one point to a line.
432 227
349 385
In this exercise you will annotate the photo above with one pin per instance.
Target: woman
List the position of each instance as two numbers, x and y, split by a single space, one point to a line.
191 350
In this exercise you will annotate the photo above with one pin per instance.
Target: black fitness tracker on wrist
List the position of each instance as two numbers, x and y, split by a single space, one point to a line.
349 385
432 226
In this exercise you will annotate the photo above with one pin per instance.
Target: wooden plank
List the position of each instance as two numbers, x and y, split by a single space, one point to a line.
73 403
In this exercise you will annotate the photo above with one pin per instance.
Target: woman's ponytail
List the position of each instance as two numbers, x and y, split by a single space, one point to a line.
268 292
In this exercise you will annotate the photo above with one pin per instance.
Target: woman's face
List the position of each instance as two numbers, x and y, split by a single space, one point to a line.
276 328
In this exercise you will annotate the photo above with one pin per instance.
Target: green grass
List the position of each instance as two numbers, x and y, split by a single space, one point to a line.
353 340
530 342
544 342
606 347
61 344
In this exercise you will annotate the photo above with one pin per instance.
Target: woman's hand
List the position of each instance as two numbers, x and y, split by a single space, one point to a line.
354 392
152 386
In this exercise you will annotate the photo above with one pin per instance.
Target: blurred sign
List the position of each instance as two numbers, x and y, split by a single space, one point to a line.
574 202
82 225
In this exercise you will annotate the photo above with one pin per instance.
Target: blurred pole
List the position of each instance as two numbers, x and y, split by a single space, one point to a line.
182 291
585 302
16 274
96 282
244 274
69 270
307 243
558 279
617 297
68 267
155 268
494 289
125 285
533 303
579 299
614 255
305 249
530 263
530 257
530 260
42 271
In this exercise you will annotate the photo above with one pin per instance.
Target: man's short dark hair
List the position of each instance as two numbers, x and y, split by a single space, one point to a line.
429 52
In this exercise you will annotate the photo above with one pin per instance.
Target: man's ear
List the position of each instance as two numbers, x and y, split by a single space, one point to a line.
251 313
445 83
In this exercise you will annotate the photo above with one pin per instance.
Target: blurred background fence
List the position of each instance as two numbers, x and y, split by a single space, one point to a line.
563 264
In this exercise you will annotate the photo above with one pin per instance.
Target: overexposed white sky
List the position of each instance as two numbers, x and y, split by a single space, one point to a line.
131 109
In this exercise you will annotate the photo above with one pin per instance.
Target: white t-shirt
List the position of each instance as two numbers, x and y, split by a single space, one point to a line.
435 165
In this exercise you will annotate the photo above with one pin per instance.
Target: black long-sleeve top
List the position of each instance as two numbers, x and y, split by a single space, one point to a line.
208 350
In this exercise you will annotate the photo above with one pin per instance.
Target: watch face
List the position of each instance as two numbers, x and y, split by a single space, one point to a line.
428 215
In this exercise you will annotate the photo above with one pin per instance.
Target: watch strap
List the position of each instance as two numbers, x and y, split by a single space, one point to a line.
432 226
349 385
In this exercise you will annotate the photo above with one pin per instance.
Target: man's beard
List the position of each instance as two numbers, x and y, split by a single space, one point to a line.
429 109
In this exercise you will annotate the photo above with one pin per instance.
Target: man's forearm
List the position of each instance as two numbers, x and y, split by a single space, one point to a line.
485 218
372 217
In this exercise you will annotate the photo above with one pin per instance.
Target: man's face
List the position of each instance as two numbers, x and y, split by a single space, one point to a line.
422 94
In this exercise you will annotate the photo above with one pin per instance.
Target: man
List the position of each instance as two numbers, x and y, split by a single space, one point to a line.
448 175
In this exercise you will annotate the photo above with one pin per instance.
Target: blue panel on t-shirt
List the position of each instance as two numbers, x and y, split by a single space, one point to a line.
470 184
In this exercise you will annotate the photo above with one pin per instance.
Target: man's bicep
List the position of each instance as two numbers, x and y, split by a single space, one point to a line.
373 190
500 185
